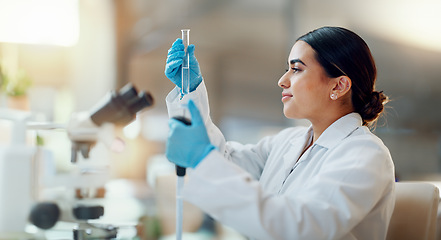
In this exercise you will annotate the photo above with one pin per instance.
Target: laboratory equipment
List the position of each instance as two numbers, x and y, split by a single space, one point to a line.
87 131
185 70
15 174
180 171
116 108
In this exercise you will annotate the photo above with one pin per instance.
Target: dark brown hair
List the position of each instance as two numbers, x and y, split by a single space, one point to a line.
342 52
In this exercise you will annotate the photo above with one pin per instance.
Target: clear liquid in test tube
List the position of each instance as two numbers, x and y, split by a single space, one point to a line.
185 82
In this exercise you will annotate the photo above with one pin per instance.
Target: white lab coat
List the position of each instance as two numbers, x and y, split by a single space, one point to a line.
342 187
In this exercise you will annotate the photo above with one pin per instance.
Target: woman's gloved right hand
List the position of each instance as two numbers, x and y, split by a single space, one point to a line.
173 65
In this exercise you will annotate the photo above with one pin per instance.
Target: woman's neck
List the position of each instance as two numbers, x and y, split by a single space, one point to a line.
320 125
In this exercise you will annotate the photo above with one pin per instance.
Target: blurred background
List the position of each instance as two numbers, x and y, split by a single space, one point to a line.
70 53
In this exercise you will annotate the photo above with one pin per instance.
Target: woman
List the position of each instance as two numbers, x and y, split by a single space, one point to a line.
333 180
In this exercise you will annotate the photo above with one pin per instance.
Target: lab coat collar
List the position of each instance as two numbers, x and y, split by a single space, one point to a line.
298 144
339 130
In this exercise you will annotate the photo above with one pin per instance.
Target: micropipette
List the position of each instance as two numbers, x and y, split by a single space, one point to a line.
180 171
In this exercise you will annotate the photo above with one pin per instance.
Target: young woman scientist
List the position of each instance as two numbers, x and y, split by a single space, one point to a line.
333 180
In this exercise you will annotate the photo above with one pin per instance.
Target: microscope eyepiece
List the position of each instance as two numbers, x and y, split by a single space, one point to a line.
122 106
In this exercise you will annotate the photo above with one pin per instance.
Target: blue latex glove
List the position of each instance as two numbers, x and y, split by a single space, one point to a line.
187 145
173 66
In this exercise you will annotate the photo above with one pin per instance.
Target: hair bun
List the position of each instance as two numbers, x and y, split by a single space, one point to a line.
372 109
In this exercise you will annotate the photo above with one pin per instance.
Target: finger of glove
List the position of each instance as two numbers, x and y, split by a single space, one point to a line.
194 65
190 50
175 55
196 119
177 45
172 68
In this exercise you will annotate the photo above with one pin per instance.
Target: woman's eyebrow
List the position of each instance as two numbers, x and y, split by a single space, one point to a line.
293 61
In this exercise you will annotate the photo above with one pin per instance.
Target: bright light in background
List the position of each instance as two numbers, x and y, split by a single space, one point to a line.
417 23
48 22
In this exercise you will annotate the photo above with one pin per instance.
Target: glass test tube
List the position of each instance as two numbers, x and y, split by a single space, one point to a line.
185 74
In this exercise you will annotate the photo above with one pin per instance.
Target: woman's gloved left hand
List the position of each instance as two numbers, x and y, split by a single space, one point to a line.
187 145
174 62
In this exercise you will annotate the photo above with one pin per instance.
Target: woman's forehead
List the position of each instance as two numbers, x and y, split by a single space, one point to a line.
301 52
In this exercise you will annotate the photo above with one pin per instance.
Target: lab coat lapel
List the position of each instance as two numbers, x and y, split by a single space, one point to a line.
296 148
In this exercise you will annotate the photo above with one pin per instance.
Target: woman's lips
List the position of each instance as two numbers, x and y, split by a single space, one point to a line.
286 96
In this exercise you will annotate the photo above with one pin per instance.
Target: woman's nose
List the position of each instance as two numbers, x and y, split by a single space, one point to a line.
283 81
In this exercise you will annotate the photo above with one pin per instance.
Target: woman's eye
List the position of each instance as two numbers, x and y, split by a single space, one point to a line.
293 69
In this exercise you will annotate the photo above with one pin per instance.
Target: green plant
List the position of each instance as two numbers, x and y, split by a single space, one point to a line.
16 85
39 140
1 78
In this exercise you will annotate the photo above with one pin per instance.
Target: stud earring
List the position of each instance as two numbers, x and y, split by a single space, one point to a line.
334 96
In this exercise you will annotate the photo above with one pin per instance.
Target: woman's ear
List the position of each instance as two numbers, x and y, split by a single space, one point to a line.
342 85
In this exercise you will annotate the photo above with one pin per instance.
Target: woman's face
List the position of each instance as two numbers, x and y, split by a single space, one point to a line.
306 87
